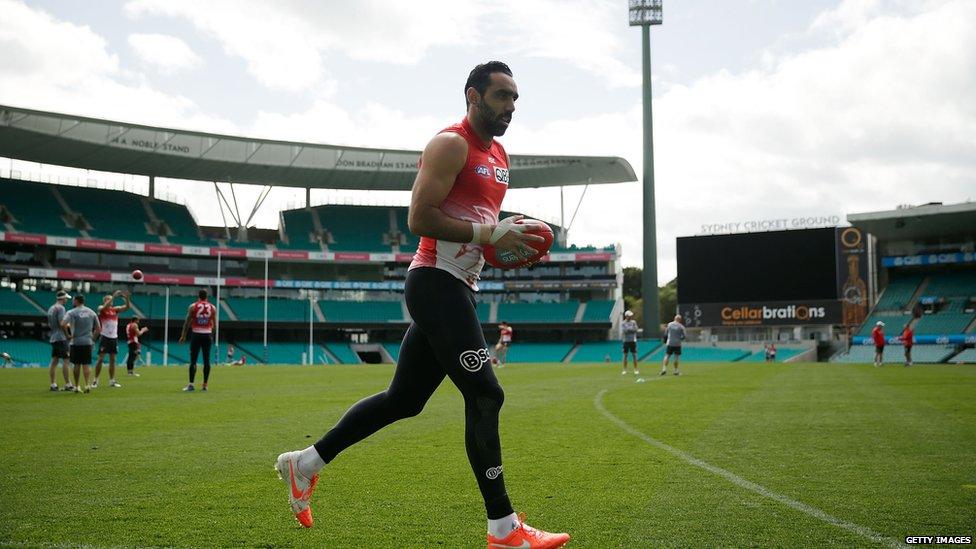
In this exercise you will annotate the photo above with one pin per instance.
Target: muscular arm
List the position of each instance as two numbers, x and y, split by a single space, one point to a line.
127 306
440 164
186 323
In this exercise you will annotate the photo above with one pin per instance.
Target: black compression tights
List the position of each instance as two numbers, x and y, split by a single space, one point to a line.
200 343
445 338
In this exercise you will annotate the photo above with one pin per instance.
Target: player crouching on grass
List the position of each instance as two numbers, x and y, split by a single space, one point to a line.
456 199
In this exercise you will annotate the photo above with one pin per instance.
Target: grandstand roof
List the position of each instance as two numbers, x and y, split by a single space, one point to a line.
926 221
89 143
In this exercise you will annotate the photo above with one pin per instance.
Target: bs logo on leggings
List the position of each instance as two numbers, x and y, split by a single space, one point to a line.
472 361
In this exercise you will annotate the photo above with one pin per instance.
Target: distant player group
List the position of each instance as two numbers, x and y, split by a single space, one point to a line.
75 331
73 336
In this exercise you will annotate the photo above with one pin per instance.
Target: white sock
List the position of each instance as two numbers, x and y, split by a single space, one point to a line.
501 528
310 462
54 385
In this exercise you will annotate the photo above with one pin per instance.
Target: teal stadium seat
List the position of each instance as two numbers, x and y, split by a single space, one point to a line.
952 284
549 313
34 208
943 323
538 352
112 215
299 229
411 241
484 312
282 352
343 352
598 311
154 306
968 356
922 354
14 303
279 309
180 223
27 352
393 349
356 228
361 311
782 355
899 291
597 351
703 354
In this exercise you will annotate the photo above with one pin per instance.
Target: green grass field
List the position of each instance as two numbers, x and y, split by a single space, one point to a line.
888 450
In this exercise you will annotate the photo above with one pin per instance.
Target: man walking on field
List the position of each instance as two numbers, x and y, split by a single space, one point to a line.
457 196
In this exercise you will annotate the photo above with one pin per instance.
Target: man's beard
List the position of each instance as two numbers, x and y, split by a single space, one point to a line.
491 121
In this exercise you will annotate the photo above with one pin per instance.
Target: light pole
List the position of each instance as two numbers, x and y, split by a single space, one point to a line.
644 13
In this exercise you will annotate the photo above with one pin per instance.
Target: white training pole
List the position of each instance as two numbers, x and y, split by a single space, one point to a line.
311 357
266 308
166 330
217 306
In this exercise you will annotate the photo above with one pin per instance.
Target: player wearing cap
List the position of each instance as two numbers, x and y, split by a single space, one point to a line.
674 335
200 315
628 334
454 208
81 326
108 317
877 334
59 343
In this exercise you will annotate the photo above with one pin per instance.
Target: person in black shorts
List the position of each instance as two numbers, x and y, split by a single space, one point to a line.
81 325
59 342
674 334
454 208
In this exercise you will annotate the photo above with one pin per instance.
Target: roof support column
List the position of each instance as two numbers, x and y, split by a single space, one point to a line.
308 197
152 186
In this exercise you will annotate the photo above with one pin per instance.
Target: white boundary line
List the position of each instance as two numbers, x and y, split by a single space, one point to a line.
862 531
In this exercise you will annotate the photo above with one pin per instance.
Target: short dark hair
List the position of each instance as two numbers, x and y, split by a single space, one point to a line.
80 298
202 294
480 77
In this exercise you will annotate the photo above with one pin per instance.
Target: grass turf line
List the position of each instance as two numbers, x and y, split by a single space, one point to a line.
146 465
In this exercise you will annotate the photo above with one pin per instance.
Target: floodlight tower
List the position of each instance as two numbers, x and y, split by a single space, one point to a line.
644 13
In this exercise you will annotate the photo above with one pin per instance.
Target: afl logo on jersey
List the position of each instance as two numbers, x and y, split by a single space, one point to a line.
501 175
481 170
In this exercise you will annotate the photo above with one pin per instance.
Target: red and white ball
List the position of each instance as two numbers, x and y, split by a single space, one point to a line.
508 260
137 275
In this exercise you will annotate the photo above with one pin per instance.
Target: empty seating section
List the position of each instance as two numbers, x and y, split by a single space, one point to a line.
361 311
393 349
484 312
299 230
782 355
899 291
281 352
538 352
703 354
894 321
537 312
13 303
952 284
864 354
279 309
343 352
27 352
34 208
410 240
154 306
111 215
968 356
180 223
356 228
598 311
943 323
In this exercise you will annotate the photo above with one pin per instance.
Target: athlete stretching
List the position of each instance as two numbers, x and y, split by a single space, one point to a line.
454 208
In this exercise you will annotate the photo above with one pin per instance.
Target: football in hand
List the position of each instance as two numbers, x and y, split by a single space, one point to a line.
508 260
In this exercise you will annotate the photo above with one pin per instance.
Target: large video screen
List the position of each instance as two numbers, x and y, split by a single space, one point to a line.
773 266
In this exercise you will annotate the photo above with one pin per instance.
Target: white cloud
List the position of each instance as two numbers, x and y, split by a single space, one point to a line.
167 54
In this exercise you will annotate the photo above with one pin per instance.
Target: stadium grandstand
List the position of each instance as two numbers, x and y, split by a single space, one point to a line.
324 287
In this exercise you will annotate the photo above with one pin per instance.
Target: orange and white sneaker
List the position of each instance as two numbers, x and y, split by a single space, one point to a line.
527 537
300 487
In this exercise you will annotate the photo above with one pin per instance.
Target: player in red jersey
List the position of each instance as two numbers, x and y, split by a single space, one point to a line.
908 340
456 200
108 316
132 333
877 334
504 342
200 316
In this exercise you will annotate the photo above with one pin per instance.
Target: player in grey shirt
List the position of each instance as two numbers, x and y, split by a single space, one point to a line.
674 334
59 343
82 326
628 333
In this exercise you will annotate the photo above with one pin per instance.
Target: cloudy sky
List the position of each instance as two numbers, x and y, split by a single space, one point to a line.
762 108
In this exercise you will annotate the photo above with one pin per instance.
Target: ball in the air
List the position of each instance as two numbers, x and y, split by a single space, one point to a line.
507 260
137 275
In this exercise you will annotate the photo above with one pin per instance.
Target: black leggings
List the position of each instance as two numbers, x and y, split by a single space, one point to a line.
130 361
445 338
198 343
